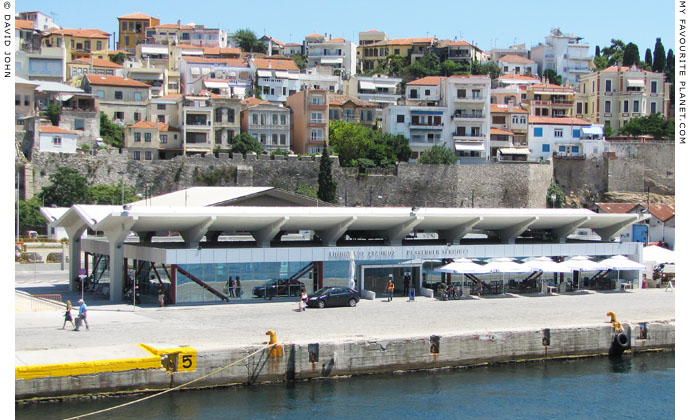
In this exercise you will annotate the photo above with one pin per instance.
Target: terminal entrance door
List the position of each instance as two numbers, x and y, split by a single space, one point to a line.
375 277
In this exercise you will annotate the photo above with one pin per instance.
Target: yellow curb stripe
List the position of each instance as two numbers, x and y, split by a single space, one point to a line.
113 365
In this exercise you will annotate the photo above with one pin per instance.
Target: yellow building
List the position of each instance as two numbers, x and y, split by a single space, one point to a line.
371 55
133 28
78 68
79 43
548 100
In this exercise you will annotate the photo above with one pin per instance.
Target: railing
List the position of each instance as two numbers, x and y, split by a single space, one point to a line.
467 115
46 302
413 124
470 98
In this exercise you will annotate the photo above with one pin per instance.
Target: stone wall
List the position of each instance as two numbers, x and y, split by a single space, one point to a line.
658 162
487 185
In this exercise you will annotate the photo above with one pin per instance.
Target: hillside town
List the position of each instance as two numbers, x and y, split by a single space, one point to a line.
156 90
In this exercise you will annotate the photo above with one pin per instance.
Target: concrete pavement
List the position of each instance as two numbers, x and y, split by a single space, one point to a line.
116 329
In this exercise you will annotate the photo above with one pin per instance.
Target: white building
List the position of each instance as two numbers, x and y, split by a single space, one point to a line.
563 54
56 140
563 137
40 21
318 78
236 71
469 105
338 54
515 64
291 49
424 126
276 78
378 89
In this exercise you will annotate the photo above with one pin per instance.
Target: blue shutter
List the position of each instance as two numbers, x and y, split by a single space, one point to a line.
576 134
538 131
546 148
575 149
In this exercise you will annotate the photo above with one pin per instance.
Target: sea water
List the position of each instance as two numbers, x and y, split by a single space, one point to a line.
633 387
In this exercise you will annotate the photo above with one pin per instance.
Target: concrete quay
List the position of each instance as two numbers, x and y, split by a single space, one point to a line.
376 336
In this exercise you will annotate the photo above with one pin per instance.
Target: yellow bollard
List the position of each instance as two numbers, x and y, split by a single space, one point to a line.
276 349
614 321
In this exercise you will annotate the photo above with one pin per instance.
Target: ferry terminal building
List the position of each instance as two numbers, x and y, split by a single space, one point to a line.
191 241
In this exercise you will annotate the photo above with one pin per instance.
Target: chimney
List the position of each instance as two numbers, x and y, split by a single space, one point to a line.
510 106
330 36
178 24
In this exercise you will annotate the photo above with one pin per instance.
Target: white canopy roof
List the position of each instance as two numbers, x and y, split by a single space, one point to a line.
149 49
281 74
505 265
367 85
581 263
464 268
547 265
658 255
619 262
593 130
469 147
263 73
332 60
215 84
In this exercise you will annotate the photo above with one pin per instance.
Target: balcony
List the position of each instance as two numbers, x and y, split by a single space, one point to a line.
472 98
425 140
459 116
420 126
478 138
379 97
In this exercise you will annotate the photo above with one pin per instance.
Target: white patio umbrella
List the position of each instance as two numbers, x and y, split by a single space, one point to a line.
619 262
507 265
547 265
658 255
352 270
581 263
464 266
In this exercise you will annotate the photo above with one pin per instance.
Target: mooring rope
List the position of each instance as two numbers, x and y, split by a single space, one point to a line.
171 389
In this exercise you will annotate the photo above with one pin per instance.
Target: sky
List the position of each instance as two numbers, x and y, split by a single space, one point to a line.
486 23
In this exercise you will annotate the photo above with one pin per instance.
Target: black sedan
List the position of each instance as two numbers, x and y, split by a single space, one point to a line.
278 287
333 296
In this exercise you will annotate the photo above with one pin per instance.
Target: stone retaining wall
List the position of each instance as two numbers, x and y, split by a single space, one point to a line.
301 361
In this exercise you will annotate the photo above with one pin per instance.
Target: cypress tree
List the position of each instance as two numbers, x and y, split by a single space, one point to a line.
648 58
659 58
631 55
670 62
597 51
326 183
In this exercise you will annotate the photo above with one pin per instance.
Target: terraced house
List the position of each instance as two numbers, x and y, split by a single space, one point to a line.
133 28
79 43
147 140
268 123
124 101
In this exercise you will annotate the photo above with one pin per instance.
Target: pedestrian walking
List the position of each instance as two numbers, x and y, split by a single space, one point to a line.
303 300
390 287
230 287
161 296
82 315
406 284
238 287
68 315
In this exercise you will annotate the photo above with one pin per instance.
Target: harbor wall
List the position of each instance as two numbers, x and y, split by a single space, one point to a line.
304 361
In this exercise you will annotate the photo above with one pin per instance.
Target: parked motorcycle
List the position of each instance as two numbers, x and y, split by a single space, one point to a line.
128 295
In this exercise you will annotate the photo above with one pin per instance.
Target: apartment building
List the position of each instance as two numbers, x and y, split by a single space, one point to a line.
79 43
366 38
290 49
371 55
548 100
276 78
39 21
515 64
24 100
379 90
47 63
310 118
226 121
166 109
237 72
460 52
425 126
425 91
339 55
266 122
169 34
124 101
196 117
511 118
273 46
518 49
78 68
564 54
468 101
563 137
345 108
133 28
148 140
615 95
25 36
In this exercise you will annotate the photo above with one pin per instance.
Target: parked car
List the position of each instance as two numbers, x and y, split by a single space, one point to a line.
31 257
333 296
278 287
56 257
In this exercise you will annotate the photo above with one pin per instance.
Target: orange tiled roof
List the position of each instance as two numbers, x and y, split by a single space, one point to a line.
314 36
533 119
171 26
406 41
498 131
500 108
617 208
615 69
82 33
335 99
512 58
252 101
552 86
153 125
218 51
427 81
336 40
136 15
291 44
204 93
468 76
169 96
54 130
519 77
449 43
232 62
286 64
662 212
98 62
99 79
196 47
23 24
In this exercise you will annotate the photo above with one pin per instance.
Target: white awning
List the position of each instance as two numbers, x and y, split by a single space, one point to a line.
66 96
469 147
215 85
514 151
385 84
367 85
263 73
195 71
293 76
281 74
154 50
594 130
636 83
205 71
336 60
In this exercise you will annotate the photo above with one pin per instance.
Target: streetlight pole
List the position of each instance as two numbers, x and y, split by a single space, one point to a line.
17 178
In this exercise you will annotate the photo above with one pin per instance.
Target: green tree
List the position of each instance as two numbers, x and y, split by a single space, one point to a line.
248 41
245 143
612 53
601 62
659 58
449 68
350 141
648 58
307 190
608 131
67 187
397 146
597 51
491 68
438 155
327 185
654 125
300 61
428 65
53 113
110 194
557 192
118 58
631 128
111 133
553 77
30 217
631 54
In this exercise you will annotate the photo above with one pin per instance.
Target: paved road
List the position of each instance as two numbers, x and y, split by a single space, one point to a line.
115 327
